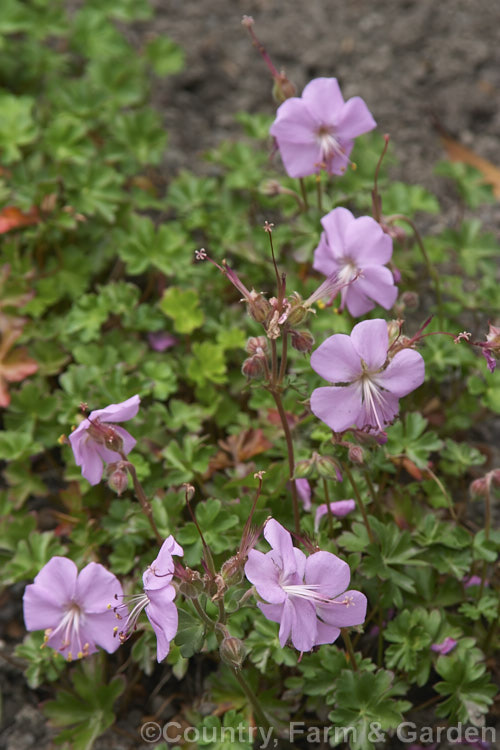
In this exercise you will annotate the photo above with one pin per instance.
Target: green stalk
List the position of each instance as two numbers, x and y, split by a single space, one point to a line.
360 502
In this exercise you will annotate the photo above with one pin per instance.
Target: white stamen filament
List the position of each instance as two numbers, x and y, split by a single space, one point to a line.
69 630
140 601
373 398
309 591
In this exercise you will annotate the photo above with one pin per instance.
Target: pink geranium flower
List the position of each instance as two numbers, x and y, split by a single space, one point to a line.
307 596
445 647
157 600
369 384
97 440
73 609
317 131
357 250
340 508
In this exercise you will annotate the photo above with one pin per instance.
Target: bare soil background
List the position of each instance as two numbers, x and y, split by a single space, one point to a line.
411 60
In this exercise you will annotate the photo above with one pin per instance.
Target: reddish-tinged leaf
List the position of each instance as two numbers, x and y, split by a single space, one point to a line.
14 365
457 152
12 218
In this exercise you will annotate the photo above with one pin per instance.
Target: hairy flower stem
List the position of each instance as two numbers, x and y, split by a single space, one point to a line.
349 648
319 193
373 492
291 458
304 193
275 388
430 268
202 614
141 496
329 510
261 717
359 502
487 525
284 357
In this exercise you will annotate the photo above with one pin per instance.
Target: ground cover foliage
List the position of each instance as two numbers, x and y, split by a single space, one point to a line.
105 295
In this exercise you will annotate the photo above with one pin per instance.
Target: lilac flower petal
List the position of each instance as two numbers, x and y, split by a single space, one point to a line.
59 575
345 615
404 373
356 301
300 563
336 360
325 633
338 407
366 241
490 359
324 258
281 541
96 588
42 607
273 612
75 439
163 616
287 618
328 573
128 441
377 283
299 160
472 581
99 629
161 570
106 455
263 573
118 412
294 124
304 621
336 225
370 340
339 509
304 492
445 647
354 119
380 411
338 163
160 341
323 99
92 466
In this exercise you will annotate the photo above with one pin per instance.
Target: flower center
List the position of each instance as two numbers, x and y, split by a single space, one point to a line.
328 144
373 399
139 602
310 591
68 631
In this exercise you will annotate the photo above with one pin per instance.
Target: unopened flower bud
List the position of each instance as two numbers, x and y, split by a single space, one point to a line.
190 589
410 300
396 233
328 468
356 454
253 367
283 89
304 468
256 343
232 652
478 487
299 311
117 478
393 329
258 306
232 570
302 341
271 187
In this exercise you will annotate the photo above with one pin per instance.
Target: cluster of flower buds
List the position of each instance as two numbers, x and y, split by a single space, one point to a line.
325 467
255 365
